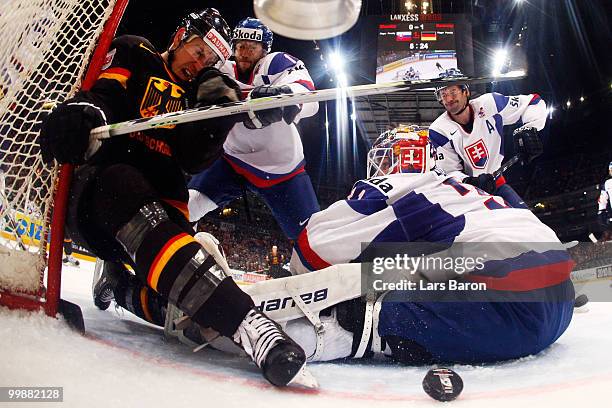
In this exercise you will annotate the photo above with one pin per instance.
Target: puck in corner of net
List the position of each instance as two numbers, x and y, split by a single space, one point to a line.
581 300
442 384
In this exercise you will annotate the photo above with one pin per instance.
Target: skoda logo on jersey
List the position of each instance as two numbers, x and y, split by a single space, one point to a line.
251 34
478 154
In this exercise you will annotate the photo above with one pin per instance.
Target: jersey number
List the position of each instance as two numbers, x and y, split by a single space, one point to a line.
490 203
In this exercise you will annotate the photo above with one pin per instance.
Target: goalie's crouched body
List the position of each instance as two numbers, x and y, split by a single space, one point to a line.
128 202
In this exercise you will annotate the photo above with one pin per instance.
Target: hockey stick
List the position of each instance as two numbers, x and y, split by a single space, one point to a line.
214 111
497 173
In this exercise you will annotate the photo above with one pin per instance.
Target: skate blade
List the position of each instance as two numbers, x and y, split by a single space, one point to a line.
304 378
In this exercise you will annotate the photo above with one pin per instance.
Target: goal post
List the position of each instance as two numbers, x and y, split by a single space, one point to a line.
49 49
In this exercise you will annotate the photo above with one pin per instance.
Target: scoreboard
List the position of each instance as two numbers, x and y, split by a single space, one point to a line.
414 46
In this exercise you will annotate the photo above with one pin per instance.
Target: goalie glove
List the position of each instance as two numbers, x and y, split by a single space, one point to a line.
263 118
485 182
527 142
65 132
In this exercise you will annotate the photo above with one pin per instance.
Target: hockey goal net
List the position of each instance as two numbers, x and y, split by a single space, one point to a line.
48 50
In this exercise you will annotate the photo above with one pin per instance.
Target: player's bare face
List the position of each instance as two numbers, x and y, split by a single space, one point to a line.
191 57
454 99
247 53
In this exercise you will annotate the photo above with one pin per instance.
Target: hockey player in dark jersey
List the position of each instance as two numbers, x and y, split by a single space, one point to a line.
128 201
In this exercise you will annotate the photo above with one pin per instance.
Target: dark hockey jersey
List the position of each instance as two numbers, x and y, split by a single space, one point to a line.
135 82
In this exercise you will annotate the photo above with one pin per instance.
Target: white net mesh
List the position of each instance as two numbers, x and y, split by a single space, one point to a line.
45 46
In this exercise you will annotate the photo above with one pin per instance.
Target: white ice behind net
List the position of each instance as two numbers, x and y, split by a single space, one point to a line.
45 46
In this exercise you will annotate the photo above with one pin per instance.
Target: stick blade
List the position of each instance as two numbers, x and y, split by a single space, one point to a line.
73 315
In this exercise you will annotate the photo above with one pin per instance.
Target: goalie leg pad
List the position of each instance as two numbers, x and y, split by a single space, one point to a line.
300 299
319 290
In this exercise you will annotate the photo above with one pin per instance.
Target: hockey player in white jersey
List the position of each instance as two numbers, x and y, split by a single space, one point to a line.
529 299
405 201
604 203
470 135
265 153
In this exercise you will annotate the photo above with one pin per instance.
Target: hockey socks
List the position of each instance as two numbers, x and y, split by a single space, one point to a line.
141 301
177 267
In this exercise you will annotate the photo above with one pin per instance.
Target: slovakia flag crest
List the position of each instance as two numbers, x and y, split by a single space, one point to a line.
478 154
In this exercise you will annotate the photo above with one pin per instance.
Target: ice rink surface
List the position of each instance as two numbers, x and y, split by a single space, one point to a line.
124 362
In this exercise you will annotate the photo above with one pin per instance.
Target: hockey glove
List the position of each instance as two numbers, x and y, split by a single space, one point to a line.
289 112
215 88
65 132
263 118
484 181
528 144
212 87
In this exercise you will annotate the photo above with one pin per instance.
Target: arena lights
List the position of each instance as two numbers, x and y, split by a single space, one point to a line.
336 61
568 103
499 61
516 73
550 111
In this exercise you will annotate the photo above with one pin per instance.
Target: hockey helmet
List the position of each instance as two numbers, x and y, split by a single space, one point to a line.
254 30
212 28
451 74
405 149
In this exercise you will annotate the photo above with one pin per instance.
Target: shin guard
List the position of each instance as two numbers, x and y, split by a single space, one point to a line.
176 266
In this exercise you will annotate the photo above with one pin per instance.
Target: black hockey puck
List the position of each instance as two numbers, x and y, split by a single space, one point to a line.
581 300
442 384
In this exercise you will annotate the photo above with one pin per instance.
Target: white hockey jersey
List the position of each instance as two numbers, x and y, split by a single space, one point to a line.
463 154
434 208
272 154
604 196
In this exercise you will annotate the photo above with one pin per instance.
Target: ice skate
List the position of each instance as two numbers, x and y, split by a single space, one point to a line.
71 260
280 358
105 279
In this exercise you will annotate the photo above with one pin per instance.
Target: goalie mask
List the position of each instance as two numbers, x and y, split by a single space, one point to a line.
405 149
